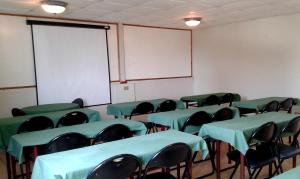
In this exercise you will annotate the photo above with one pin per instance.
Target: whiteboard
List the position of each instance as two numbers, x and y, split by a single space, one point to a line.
157 52
71 63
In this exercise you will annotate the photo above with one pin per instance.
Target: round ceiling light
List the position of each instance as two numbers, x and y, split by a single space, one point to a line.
192 21
54 7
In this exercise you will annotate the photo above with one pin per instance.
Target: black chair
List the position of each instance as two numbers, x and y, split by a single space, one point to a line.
262 155
169 156
67 141
78 101
197 120
287 105
211 100
112 133
117 167
168 105
272 106
35 124
228 98
144 108
73 118
284 151
17 112
223 114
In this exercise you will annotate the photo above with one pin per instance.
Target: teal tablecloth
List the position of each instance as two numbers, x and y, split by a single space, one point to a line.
259 104
237 131
125 109
201 98
9 126
19 141
76 164
291 174
176 119
46 108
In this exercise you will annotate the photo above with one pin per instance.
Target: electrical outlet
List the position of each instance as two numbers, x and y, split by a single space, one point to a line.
126 88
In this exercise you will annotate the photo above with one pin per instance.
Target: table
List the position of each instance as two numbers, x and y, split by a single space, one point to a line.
236 132
76 164
19 141
46 108
125 109
176 119
257 105
201 98
9 126
291 174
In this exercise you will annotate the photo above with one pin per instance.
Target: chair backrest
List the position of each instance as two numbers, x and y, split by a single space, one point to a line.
212 100
266 133
228 98
117 167
112 133
197 119
17 112
36 124
142 108
223 114
169 156
168 105
78 101
73 118
67 141
287 105
271 107
292 128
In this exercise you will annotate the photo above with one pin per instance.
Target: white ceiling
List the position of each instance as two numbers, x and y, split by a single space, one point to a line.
164 13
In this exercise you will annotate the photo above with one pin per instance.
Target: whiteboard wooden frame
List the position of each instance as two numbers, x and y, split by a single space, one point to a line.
170 77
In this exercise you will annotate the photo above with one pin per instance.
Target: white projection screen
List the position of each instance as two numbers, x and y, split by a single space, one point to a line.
71 62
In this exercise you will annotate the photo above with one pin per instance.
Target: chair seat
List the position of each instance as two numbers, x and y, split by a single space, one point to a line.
160 176
286 151
149 125
255 158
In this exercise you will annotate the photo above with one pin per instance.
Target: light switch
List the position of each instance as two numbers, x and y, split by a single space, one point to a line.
126 88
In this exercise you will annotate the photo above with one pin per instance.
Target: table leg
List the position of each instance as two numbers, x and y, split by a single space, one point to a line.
190 169
187 105
8 166
218 158
242 166
13 167
35 152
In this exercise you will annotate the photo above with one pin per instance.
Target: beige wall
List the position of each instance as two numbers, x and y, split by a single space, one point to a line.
257 58
16 69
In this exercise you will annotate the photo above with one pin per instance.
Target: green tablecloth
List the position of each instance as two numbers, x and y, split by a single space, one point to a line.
258 104
176 119
45 108
9 126
201 98
125 109
19 141
76 164
237 131
291 174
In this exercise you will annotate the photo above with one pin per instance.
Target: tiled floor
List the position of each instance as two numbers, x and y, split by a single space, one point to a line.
198 169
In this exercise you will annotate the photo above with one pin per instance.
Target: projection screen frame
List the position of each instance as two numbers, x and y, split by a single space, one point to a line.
65 24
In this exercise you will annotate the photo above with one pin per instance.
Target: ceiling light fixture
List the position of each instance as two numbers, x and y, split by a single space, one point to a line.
192 21
54 7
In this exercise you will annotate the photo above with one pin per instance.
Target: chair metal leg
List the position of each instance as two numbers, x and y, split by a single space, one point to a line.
234 170
270 169
257 173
